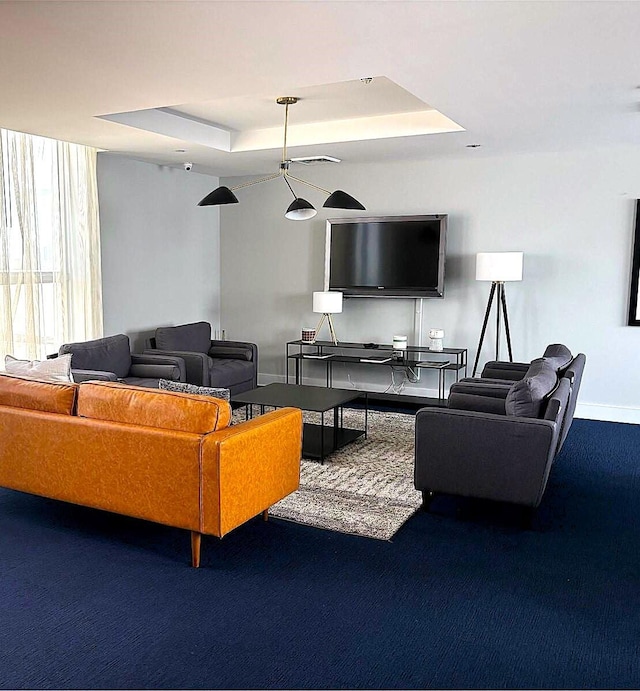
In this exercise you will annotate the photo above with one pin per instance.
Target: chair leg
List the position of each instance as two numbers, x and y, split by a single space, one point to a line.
427 498
265 515
526 517
196 539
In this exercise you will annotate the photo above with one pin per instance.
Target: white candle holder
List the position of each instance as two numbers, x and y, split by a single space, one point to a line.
436 339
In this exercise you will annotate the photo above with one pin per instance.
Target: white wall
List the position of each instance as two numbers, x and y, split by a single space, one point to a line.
160 251
570 213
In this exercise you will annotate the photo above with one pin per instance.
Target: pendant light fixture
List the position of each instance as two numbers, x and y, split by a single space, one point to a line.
299 209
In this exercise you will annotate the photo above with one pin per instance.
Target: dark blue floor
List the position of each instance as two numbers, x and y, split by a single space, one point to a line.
461 598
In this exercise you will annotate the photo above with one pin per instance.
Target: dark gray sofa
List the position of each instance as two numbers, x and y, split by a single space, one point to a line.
498 438
111 359
231 365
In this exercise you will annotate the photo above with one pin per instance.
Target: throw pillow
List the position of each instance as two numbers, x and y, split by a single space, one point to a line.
558 355
56 369
183 387
525 397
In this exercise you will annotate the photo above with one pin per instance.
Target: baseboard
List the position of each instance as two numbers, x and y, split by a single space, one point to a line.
608 413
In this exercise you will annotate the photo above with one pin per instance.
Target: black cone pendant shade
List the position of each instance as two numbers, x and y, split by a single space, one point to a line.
221 195
342 200
300 210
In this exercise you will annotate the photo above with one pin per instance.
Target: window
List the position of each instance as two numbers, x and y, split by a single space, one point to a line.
50 290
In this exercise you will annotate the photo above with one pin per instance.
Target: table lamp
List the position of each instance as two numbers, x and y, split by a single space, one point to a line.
327 303
497 267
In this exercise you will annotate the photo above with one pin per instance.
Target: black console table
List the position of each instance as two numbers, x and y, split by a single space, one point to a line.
423 358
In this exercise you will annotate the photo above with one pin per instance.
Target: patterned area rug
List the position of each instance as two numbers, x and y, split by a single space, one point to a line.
365 488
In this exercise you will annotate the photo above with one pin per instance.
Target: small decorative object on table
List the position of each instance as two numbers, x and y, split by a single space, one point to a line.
436 339
400 342
399 347
308 335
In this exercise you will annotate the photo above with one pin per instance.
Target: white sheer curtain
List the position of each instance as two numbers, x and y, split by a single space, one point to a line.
50 285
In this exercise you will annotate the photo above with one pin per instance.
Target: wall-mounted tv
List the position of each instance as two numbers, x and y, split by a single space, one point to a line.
392 256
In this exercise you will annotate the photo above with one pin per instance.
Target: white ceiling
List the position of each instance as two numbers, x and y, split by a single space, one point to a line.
517 76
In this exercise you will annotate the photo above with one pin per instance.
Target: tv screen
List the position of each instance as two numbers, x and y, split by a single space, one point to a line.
395 256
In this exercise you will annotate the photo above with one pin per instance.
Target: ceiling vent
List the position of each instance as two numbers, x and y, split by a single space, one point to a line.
314 160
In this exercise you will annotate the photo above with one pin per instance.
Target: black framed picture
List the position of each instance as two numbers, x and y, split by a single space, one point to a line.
634 306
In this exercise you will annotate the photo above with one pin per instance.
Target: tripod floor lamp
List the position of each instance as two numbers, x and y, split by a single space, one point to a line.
326 303
497 267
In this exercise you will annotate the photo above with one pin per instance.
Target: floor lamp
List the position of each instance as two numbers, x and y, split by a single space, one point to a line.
327 303
497 267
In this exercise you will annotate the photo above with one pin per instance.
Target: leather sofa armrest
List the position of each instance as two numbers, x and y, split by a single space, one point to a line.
176 363
80 375
196 364
513 371
248 467
483 455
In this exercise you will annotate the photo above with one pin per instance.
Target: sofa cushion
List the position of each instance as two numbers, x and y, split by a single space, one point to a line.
526 397
132 405
47 397
227 373
184 387
194 337
55 370
111 354
558 355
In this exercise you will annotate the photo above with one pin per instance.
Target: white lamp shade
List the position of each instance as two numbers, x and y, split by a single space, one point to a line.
499 266
327 302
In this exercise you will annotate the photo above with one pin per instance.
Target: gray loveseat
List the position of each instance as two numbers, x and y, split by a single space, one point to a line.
499 437
231 365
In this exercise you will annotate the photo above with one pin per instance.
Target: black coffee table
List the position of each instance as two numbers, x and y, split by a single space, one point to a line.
317 440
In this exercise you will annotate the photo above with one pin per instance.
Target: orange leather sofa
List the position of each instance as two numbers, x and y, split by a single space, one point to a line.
161 456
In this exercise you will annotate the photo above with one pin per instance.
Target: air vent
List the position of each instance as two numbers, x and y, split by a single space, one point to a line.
314 160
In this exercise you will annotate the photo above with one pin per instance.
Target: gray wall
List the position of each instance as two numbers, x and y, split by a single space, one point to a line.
160 251
571 214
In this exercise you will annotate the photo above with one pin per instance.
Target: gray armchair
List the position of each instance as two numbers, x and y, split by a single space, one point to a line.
110 359
488 393
487 455
231 365
495 442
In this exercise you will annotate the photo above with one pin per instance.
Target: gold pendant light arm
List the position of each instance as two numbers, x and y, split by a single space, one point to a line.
304 182
300 209
286 101
286 124
256 182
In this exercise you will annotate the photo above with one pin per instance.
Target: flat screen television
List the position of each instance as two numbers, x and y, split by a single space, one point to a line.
392 256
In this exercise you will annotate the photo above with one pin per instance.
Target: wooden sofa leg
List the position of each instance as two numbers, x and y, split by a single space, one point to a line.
265 514
196 539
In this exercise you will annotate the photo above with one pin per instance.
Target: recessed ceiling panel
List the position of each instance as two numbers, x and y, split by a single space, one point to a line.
355 110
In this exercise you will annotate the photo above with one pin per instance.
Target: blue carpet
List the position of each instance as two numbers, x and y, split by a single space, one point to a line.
462 598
